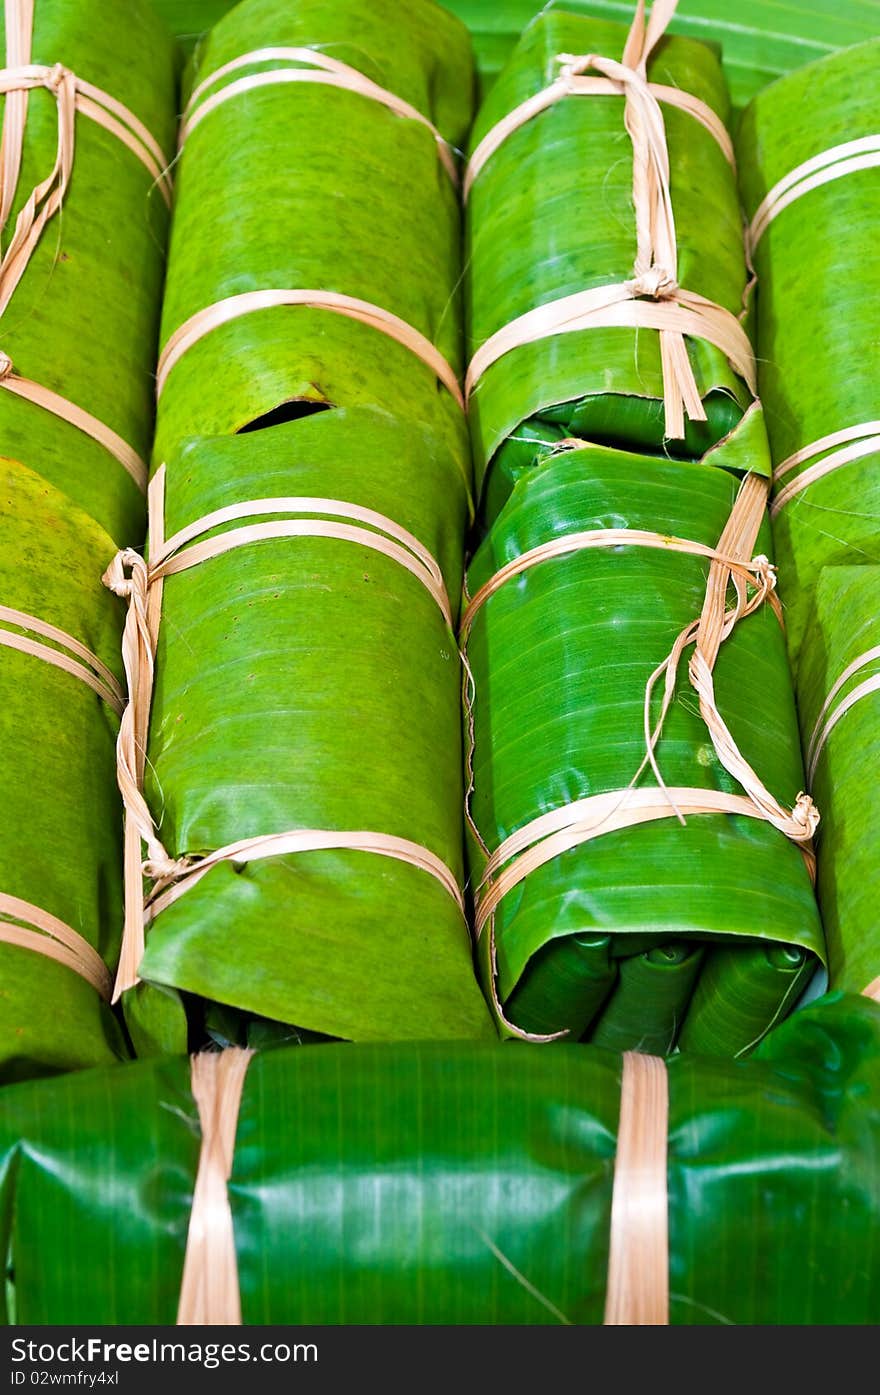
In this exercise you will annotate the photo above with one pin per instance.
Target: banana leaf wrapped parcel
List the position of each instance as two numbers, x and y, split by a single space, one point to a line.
839 702
455 1183
808 153
603 301
303 772
639 905
315 255
60 812
84 211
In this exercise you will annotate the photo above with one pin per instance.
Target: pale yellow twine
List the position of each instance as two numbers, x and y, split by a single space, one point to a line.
209 1290
637 1292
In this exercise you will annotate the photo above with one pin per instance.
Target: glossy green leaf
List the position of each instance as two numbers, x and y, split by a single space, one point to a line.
313 683
84 318
456 1184
818 284
758 41
60 812
560 657
303 186
650 1000
190 19
551 214
845 625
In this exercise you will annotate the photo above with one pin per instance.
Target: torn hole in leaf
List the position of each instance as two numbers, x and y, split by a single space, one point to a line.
295 410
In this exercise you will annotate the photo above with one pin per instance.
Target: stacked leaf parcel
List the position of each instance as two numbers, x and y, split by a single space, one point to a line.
810 170
453 1183
809 151
640 839
88 131
565 279
300 799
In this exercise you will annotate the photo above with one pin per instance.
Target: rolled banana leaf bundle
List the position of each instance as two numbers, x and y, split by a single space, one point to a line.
60 812
89 124
808 156
457 1183
607 903
304 763
758 42
603 301
839 702
316 255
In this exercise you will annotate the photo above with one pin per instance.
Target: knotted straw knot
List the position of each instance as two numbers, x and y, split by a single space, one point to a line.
574 64
805 815
160 867
133 584
657 282
5 366
56 77
765 573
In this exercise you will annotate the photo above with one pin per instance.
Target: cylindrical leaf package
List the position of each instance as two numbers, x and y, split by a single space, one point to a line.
808 151
839 701
561 219
308 688
297 182
455 1183
593 575
80 325
60 813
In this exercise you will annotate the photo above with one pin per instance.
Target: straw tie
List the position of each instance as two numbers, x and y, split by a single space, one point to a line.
209 1292
637 1291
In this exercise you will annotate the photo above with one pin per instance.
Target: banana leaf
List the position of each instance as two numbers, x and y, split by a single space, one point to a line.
312 683
60 812
551 214
188 20
845 626
306 187
816 316
460 1183
560 658
759 41
84 319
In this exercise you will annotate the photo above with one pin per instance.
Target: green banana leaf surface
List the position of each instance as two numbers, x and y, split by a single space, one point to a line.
551 213
816 317
188 20
560 656
456 1183
846 630
303 186
84 319
60 811
313 683
759 41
